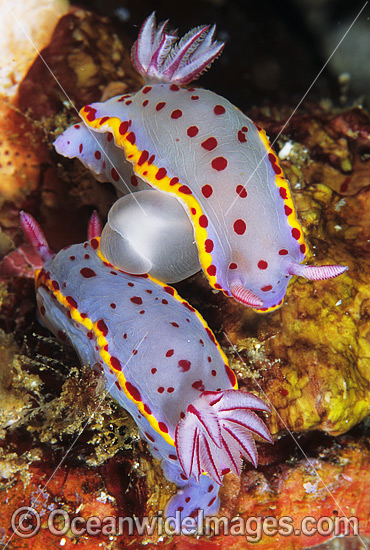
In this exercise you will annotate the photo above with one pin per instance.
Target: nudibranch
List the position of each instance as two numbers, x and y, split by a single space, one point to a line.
161 363
197 147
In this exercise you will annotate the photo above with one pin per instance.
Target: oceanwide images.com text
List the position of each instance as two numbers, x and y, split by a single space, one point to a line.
26 523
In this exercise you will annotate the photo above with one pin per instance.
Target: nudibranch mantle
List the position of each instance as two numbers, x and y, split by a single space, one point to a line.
203 151
161 363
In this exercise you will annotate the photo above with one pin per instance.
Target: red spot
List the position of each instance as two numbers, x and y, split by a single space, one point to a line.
90 335
266 288
149 291
177 113
203 221
283 193
149 437
62 335
188 306
151 160
211 270
296 233
76 126
193 211
230 375
241 137
145 102
283 392
169 290
207 191
169 353
185 189
184 365
213 372
134 352
87 272
198 385
136 300
211 501
288 210
210 488
242 192
262 264
109 136
103 120
55 285
209 144
83 315
160 105
134 392
94 243
303 248
165 302
131 138
173 181
147 409
239 227
72 302
219 110
283 252
134 181
143 158
72 258
173 457
170 389
233 265
219 163
86 256
154 370
80 147
97 155
174 87
113 306
162 426
115 363
160 174
192 131
146 89
175 324
123 127
102 327
128 102
208 245
160 389
210 334
118 385
90 113
194 97
114 174
130 284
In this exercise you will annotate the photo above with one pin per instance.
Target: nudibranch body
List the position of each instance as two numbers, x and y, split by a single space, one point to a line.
161 362
197 147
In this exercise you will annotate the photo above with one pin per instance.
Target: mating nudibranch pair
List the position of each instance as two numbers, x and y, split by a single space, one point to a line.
161 362
193 147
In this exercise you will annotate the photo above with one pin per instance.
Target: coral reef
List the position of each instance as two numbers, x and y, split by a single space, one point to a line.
310 358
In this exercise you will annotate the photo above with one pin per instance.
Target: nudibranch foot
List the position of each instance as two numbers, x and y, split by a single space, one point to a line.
150 232
35 236
162 57
317 272
217 431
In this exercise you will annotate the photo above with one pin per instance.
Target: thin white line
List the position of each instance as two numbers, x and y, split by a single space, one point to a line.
295 440
300 102
70 100
41 490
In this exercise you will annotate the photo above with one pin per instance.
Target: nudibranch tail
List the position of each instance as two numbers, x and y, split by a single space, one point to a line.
95 226
217 431
317 272
245 296
160 57
35 236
